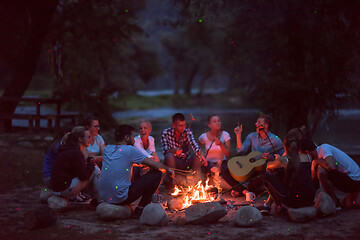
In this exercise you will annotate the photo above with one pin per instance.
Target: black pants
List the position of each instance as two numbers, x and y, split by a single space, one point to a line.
225 174
343 182
282 194
144 187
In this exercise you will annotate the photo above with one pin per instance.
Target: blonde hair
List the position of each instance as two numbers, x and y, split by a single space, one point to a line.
72 138
145 121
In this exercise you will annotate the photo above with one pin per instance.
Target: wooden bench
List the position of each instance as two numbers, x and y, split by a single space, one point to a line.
34 119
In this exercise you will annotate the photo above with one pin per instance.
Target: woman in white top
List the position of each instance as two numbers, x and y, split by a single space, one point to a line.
97 143
146 144
216 145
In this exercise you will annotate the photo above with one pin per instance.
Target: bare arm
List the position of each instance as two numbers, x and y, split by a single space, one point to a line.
158 165
328 163
277 163
224 147
238 131
156 158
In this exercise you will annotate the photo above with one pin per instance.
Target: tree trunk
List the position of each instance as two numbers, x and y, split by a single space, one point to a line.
189 82
202 82
39 14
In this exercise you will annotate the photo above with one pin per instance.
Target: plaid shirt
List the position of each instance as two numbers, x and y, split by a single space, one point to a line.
169 141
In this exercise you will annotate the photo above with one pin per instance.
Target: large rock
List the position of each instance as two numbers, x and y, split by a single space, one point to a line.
248 216
325 205
154 214
109 211
57 203
202 213
351 201
45 194
301 215
175 204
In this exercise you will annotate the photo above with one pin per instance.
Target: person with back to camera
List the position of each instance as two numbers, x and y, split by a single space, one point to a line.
334 169
52 152
115 180
294 188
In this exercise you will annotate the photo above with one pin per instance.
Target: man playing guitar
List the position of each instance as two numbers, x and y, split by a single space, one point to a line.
262 141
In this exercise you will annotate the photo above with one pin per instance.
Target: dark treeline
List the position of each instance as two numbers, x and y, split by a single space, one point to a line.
296 59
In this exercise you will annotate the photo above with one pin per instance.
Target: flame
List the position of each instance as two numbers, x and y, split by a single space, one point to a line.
195 194
176 192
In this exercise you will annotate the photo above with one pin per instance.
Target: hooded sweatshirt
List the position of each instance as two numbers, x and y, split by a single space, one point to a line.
69 163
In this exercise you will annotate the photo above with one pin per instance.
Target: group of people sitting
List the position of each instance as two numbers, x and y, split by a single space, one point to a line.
79 167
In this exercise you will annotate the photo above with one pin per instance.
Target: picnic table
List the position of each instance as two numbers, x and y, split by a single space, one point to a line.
34 119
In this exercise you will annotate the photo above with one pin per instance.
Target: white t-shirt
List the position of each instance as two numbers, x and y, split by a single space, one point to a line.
343 162
139 145
215 153
95 148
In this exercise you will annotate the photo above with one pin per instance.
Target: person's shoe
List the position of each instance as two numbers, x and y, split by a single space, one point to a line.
84 197
137 213
77 200
264 209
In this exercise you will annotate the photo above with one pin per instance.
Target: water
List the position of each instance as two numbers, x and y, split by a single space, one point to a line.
342 132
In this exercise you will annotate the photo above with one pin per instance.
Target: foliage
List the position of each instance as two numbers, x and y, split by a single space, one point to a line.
293 58
101 52
194 43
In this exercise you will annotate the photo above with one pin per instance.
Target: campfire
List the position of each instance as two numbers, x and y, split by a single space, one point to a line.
196 194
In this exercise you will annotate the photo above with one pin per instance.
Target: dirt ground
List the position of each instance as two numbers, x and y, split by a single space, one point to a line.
20 185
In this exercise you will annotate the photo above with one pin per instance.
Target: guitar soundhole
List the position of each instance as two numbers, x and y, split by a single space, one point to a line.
252 160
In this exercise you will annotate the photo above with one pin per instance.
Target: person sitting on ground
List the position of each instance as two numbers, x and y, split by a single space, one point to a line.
146 144
175 145
115 179
217 146
97 143
52 152
72 172
262 141
295 189
334 169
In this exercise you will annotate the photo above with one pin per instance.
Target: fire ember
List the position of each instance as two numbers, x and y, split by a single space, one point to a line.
196 194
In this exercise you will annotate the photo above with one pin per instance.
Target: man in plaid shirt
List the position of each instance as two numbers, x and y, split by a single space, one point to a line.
176 142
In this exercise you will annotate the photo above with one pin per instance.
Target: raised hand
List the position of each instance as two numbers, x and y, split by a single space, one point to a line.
238 129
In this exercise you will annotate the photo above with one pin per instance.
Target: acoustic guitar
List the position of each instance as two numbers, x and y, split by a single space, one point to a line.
243 167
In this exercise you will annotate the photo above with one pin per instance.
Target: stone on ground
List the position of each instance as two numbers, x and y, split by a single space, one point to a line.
57 203
325 205
248 216
45 194
302 215
108 211
202 213
155 215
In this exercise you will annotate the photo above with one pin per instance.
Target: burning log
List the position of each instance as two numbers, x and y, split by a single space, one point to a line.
175 204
